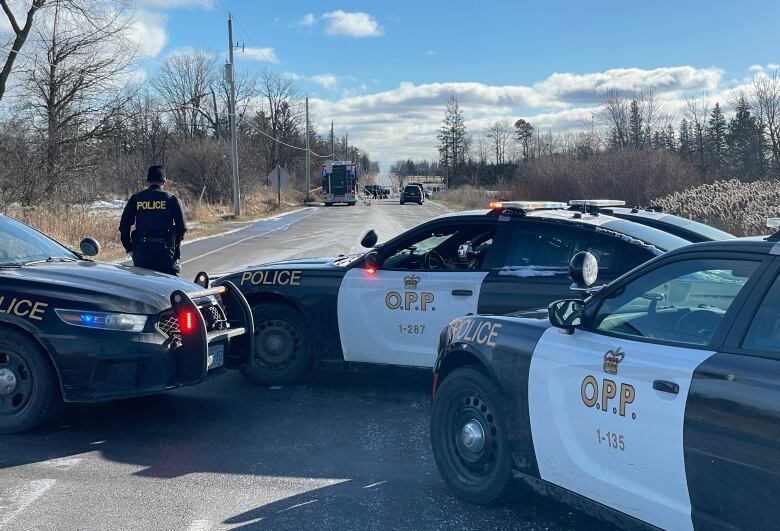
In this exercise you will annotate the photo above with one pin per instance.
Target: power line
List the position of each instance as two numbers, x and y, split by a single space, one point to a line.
285 143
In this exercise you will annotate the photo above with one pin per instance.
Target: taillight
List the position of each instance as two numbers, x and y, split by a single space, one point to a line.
187 321
370 270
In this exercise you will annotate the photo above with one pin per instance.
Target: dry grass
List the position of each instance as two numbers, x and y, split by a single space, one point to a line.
69 225
734 206
466 197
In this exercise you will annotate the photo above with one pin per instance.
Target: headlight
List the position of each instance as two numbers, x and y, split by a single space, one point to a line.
126 322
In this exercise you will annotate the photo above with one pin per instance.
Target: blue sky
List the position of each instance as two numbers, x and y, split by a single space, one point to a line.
383 70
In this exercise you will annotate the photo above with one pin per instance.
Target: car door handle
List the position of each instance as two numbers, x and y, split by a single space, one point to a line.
666 387
462 292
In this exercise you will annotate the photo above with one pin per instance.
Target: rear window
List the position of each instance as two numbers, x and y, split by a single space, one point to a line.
412 189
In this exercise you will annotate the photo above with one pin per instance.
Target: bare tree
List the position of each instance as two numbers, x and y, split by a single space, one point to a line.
20 32
280 117
185 84
612 118
697 111
765 100
78 85
499 134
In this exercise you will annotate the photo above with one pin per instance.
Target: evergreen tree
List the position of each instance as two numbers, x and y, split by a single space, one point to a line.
453 140
746 145
671 143
716 137
524 132
636 133
684 146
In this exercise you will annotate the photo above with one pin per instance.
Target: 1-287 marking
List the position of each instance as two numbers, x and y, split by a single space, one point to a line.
411 329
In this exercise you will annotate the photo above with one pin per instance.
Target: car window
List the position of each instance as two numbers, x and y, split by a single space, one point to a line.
764 332
555 249
19 244
682 302
443 244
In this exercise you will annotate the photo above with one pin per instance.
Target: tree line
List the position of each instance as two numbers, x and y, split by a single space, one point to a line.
80 119
629 138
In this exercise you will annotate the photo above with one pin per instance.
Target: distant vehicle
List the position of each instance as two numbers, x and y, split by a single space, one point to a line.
412 193
656 399
339 183
74 330
376 191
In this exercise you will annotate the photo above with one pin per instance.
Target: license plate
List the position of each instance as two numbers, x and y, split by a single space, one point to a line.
216 356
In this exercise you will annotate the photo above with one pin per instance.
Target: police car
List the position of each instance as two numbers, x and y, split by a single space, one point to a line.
80 331
657 397
389 305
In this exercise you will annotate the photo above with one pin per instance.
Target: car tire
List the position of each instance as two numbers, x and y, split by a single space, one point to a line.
283 350
29 387
351 203
328 204
402 202
479 473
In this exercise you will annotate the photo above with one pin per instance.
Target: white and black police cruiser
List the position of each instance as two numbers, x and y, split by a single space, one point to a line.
655 400
389 305
75 330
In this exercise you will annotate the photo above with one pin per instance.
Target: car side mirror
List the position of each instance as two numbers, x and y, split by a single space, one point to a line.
584 269
369 239
566 314
89 247
202 279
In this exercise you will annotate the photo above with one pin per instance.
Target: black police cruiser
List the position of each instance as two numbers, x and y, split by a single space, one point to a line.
658 396
389 306
80 331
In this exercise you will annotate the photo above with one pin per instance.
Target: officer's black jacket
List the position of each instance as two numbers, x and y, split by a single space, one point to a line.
155 213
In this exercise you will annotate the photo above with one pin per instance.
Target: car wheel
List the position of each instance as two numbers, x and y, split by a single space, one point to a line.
402 202
469 437
29 388
283 353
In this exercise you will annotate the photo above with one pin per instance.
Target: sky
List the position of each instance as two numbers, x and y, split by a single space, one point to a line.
383 70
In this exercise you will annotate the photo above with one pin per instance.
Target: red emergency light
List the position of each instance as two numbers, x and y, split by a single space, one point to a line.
187 321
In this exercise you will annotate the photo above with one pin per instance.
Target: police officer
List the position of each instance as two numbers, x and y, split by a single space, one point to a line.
160 225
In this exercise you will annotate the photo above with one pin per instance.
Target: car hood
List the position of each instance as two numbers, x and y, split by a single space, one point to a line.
109 287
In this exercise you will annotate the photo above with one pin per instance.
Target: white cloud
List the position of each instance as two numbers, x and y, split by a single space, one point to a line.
307 20
173 4
340 23
266 55
402 122
148 30
328 81
771 67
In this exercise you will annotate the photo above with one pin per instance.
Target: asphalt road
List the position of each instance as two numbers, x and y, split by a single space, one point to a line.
340 451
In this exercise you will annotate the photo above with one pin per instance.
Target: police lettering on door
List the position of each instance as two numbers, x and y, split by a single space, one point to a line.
601 394
408 299
272 278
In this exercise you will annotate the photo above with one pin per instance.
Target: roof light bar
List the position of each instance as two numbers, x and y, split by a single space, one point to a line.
527 205
597 202
773 223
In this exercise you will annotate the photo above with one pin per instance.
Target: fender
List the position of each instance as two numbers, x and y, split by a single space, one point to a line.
504 346
36 335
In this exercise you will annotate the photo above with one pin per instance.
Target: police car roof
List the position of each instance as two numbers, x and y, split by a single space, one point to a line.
704 232
649 235
752 244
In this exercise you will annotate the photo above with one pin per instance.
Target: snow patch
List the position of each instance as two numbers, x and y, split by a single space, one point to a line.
532 271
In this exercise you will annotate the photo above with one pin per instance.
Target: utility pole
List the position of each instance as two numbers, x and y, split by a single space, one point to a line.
332 142
346 146
230 72
307 171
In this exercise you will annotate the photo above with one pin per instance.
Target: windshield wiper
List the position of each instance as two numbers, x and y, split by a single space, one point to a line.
50 259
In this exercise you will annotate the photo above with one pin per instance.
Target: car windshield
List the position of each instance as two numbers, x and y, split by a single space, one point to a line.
20 244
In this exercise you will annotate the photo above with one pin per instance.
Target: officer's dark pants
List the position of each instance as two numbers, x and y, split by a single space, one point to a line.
155 256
